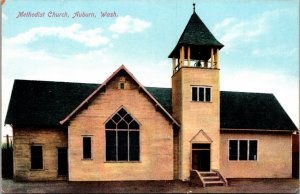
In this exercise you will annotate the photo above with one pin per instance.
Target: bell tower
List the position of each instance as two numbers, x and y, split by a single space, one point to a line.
196 97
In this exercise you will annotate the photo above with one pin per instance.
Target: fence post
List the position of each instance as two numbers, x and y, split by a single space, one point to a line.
7 141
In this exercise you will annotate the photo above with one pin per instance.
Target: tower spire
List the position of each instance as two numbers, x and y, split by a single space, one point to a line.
194 7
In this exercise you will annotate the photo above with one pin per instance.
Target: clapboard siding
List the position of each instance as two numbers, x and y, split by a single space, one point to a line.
50 139
156 137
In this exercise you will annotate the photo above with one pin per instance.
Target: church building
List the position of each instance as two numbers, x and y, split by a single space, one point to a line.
120 130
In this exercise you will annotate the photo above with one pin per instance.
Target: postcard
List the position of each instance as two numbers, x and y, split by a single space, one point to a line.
172 96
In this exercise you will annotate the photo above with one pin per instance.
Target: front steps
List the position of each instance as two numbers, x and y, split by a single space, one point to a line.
206 179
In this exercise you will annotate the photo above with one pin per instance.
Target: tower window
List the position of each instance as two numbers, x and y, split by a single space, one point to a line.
201 93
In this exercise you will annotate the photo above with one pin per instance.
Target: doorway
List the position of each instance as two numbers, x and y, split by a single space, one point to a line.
201 157
62 161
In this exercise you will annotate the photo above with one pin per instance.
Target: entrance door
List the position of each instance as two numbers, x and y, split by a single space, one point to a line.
62 159
201 157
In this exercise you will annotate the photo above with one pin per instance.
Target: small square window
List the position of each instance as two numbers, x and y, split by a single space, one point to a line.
121 86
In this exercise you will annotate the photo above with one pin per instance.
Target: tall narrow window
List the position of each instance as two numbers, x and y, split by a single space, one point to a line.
194 94
122 145
36 157
242 149
252 150
87 147
207 94
233 150
111 145
201 93
122 137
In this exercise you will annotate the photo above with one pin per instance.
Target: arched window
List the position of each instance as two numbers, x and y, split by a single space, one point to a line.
122 137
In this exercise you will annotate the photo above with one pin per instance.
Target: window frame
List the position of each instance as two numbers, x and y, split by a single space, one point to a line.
256 149
204 93
122 85
128 130
237 150
248 150
82 147
36 169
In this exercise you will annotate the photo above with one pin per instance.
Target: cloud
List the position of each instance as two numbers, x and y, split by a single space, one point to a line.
127 24
94 66
115 36
233 31
282 51
74 32
164 63
20 62
4 17
284 87
224 24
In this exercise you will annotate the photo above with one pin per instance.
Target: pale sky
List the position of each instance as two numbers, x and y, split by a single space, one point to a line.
261 39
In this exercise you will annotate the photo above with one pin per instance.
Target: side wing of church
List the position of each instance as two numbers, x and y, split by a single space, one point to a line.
120 130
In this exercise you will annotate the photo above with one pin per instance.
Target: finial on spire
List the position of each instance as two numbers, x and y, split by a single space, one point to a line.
194 7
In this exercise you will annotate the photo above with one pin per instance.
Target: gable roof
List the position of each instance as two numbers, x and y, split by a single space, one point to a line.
121 68
201 137
45 103
196 33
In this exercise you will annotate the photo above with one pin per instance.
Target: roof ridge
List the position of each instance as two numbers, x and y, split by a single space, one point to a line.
157 87
31 103
27 80
244 92
49 81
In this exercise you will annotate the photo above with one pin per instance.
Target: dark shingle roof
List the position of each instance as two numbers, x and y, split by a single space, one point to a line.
196 33
163 96
242 110
46 103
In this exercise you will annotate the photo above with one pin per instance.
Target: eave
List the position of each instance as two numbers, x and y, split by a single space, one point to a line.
255 130
141 87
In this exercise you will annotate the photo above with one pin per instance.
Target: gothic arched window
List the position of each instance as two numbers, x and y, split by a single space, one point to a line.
122 137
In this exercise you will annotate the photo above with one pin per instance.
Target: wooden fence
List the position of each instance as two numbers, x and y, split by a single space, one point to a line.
7 158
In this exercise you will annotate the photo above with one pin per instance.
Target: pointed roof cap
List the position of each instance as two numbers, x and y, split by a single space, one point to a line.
196 33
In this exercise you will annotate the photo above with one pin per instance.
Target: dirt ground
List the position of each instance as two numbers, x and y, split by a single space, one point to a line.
235 186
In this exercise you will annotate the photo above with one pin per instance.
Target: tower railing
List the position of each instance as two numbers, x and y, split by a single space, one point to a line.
196 64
